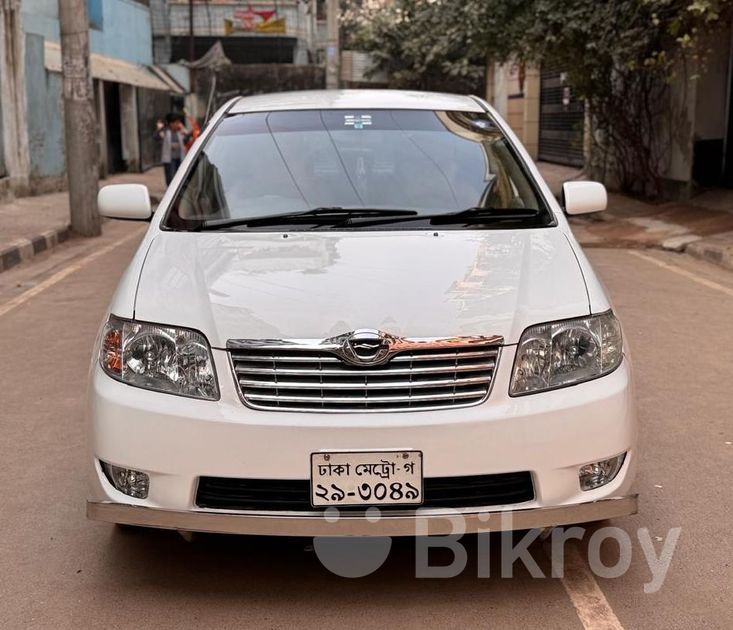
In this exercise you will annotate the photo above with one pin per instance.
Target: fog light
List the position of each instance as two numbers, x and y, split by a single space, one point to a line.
133 483
600 473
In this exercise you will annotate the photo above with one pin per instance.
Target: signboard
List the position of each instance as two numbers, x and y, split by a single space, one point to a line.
249 20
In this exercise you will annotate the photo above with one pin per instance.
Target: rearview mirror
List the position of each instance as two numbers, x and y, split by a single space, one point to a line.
584 197
124 201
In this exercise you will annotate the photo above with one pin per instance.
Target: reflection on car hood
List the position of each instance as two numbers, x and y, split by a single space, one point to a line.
252 285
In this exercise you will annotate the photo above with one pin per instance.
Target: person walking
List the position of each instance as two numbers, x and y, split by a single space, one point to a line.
172 136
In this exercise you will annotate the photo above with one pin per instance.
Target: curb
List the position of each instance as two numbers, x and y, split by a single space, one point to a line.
716 249
24 249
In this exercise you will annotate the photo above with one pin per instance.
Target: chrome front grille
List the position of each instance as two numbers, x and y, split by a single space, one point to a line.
313 377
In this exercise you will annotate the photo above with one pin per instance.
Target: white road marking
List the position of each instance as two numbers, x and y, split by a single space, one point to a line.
65 272
683 272
591 605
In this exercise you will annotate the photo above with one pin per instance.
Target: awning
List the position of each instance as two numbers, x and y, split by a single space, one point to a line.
117 71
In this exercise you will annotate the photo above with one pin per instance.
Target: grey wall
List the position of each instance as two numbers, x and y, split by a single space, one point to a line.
712 91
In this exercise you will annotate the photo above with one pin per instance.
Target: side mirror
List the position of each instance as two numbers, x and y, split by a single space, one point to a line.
584 197
124 201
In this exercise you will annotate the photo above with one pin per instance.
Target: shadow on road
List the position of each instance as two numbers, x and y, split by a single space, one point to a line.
250 563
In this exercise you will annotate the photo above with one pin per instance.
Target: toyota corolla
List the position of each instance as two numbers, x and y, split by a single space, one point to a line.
354 313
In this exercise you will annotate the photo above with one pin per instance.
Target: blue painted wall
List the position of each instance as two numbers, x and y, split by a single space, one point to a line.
95 14
45 114
119 29
125 31
41 17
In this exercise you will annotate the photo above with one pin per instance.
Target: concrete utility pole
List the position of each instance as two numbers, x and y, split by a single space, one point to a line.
333 59
80 123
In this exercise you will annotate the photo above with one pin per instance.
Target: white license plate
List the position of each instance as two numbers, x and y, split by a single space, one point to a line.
366 478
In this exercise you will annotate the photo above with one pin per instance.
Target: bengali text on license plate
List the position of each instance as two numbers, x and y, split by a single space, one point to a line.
366 478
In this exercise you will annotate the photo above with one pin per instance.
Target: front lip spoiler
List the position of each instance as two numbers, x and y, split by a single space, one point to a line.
420 522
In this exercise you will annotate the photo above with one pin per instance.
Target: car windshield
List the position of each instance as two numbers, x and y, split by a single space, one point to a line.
278 164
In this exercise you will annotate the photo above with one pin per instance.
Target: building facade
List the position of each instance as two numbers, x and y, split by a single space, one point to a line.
241 47
130 92
251 32
542 108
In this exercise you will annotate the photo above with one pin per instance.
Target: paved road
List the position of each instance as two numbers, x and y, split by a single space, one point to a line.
61 571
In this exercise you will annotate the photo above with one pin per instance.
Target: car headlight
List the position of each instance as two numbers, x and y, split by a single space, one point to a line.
161 358
567 352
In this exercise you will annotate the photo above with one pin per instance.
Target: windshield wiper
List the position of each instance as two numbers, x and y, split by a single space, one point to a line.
479 214
467 216
326 215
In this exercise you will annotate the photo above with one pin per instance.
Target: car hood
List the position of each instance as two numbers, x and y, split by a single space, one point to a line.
316 285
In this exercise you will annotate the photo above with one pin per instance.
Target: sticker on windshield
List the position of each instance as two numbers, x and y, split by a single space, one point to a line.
357 122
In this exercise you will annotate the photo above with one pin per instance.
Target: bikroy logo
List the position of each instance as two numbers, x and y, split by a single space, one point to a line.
359 557
352 557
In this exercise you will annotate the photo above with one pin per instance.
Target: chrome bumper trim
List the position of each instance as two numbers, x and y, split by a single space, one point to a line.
434 522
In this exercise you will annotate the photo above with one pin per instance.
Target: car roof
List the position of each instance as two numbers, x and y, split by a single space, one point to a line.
355 99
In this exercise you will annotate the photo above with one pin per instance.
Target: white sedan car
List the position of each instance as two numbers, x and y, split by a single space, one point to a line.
359 313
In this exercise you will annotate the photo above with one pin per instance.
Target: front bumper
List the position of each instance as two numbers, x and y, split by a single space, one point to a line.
177 440
419 522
